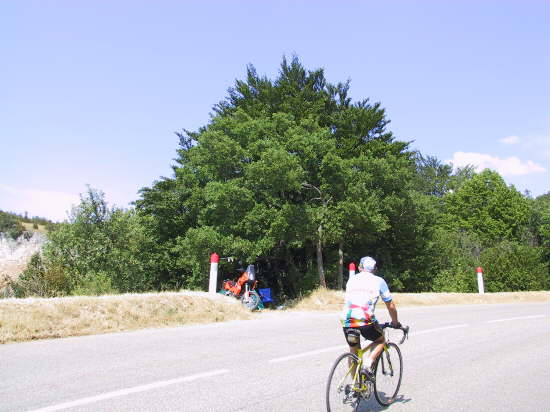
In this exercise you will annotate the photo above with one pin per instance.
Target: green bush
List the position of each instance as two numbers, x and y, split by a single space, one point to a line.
41 279
102 250
511 266
94 285
10 225
459 280
456 255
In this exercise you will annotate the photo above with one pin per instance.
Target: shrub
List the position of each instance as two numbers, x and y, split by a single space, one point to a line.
94 285
461 280
41 279
10 225
456 257
510 266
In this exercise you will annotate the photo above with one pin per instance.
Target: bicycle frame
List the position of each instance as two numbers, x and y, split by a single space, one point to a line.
361 386
358 385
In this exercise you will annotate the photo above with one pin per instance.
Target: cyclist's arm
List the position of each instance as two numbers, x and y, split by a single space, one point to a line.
388 300
393 312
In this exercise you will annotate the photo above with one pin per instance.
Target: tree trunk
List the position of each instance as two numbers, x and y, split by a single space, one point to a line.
340 281
292 271
320 268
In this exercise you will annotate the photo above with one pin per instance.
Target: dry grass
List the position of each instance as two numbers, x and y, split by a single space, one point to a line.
30 227
40 318
9 272
37 318
331 300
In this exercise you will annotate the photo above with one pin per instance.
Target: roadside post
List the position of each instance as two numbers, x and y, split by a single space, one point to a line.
214 260
480 280
351 269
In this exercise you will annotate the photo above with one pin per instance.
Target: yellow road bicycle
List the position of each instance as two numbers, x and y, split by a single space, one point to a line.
348 384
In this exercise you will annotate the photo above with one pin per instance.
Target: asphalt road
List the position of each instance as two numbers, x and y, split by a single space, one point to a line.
458 358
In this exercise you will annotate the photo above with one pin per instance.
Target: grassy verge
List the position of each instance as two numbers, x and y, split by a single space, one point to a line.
37 318
330 300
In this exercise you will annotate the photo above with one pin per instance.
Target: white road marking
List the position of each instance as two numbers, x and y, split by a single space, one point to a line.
128 391
342 347
439 329
517 318
310 353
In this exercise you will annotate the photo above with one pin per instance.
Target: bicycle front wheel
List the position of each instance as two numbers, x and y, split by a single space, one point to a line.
388 372
340 393
253 300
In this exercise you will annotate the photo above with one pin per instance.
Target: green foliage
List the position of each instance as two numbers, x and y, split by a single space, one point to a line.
102 249
10 225
288 174
510 266
507 265
285 166
41 279
94 285
289 169
455 257
539 230
437 179
486 206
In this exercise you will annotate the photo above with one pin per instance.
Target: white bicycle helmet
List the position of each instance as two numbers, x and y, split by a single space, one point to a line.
367 263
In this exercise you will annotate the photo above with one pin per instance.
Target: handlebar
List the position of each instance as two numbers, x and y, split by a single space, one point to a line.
404 329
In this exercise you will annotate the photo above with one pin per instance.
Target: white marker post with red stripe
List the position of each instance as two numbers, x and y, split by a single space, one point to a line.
480 280
351 269
214 260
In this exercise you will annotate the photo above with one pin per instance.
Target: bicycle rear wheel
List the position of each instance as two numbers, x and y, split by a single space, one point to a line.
388 372
340 395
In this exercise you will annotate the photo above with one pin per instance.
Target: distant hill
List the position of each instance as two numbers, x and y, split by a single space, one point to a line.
14 225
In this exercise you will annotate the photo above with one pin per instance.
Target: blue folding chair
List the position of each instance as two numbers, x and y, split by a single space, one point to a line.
265 295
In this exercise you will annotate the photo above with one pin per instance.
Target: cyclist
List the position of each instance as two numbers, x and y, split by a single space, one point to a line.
362 292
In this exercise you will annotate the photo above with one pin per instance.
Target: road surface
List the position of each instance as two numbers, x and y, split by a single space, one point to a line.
458 358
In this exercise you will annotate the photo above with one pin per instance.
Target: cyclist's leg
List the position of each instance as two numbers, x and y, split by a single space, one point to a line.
353 338
355 349
373 333
378 347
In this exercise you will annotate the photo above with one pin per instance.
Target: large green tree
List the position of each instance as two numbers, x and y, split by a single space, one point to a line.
486 206
286 173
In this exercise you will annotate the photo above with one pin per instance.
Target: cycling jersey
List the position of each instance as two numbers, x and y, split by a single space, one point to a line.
362 291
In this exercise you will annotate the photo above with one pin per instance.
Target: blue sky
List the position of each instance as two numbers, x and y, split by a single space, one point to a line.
91 92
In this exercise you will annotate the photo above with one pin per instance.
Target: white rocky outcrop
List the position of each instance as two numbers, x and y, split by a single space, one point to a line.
15 254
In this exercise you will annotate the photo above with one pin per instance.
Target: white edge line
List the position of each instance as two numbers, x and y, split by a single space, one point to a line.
128 391
518 318
439 329
310 353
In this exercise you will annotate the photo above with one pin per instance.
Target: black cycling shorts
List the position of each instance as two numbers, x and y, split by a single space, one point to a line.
370 332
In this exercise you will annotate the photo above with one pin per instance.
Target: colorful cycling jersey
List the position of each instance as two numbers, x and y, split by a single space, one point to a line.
362 291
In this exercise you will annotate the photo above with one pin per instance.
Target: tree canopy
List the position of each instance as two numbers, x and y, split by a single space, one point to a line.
287 171
293 175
